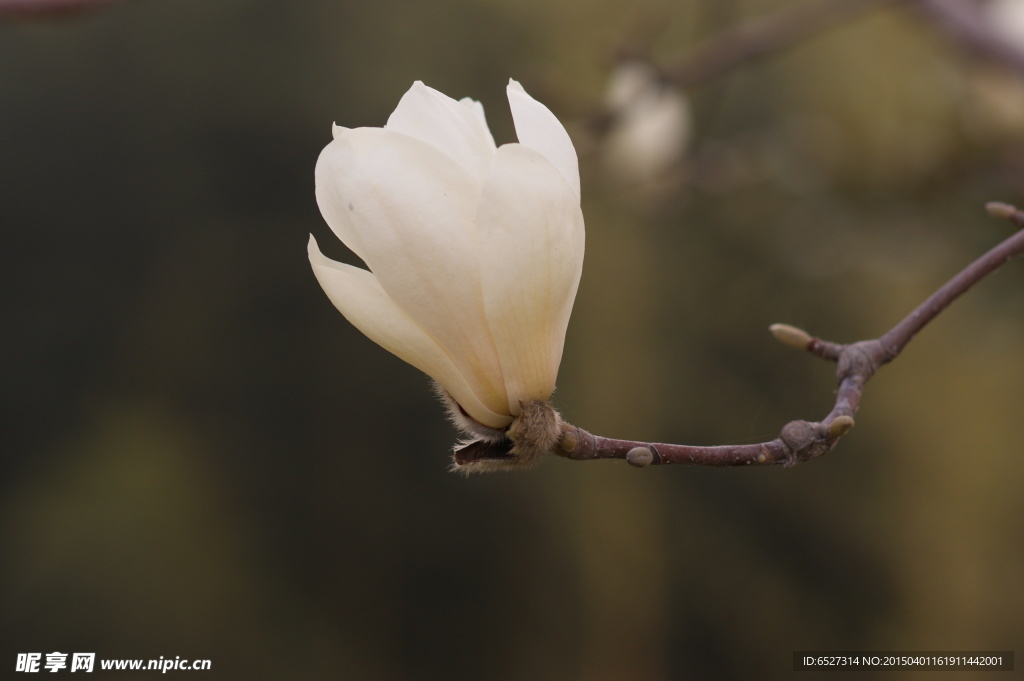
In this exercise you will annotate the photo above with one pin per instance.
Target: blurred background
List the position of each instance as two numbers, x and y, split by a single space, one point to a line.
203 459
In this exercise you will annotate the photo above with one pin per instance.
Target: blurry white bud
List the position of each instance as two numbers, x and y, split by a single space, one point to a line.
1006 17
993 101
474 251
651 124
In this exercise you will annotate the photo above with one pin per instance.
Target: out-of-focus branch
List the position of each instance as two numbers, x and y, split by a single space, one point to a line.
761 37
857 363
963 21
34 9
735 47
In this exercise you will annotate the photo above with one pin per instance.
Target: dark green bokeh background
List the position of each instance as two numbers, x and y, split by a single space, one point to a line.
203 458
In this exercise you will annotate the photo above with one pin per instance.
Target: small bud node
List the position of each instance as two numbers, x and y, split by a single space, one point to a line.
840 426
640 457
798 435
998 209
569 441
791 336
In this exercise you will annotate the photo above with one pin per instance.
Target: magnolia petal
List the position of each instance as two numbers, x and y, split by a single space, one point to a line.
478 111
531 257
408 211
369 178
358 295
537 128
447 125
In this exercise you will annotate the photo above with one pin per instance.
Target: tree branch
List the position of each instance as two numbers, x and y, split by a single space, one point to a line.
736 46
962 20
856 364
761 37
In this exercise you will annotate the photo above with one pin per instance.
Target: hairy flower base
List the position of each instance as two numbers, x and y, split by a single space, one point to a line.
536 431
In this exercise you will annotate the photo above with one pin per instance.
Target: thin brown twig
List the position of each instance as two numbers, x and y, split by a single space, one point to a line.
857 363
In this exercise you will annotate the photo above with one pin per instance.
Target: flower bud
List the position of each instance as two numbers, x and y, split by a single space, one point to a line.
474 251
1006 19
651 125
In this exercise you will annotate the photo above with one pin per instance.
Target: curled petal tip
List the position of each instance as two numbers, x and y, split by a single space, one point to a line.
313 251
539 129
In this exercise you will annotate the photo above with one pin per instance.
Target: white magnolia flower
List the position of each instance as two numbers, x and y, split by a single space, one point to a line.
474 251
